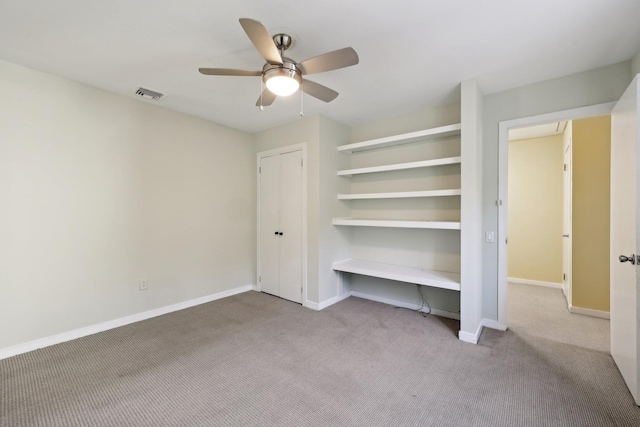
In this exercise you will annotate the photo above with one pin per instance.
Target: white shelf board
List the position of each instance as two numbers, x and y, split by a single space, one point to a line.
443 225
405 138
438 279
401 166
401 195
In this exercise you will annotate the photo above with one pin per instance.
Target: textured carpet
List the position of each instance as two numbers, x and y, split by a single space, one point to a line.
541 311
253 359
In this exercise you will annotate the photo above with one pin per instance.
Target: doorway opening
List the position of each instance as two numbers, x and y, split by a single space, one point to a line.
534 262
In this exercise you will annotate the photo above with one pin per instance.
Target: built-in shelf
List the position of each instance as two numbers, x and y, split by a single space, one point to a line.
443 225
401 166
438 279
400 195
405 138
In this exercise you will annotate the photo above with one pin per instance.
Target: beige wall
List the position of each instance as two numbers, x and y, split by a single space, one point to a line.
591 169
99 191
535 209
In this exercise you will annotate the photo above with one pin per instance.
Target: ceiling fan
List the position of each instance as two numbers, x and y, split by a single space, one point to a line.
282 75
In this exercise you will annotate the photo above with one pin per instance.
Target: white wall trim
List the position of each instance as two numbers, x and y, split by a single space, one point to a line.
471 337
493 324
116 323
536 283
589 312
326 303
503 174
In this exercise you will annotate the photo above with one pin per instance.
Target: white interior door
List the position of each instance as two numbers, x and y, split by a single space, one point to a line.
624 238
269 200
566 221
291 226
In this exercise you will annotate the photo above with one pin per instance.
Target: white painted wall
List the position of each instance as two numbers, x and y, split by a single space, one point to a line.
591 87
100 191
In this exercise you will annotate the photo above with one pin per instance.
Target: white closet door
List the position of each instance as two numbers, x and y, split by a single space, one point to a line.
270 224
291 226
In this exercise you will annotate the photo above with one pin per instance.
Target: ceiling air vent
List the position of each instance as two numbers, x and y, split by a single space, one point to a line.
149 94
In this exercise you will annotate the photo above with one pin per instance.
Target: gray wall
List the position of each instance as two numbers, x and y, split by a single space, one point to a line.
99 191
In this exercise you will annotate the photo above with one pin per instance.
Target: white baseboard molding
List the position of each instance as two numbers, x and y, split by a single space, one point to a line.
326 303
111 324
398 303
493 324
589 312
535 282
471 337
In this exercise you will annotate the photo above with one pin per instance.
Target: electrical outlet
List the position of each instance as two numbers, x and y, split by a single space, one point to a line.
144 285
489 237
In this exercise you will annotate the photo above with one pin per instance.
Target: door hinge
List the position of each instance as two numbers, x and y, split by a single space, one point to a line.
301 162
565 167
259 279
498 202
564 276
260 169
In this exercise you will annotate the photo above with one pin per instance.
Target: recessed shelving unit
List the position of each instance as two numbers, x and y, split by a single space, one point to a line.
442 137
438 279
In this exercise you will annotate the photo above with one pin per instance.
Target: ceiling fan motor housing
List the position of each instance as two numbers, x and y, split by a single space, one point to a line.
286 69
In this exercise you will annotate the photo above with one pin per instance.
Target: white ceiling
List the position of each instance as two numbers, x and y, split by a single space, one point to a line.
413 53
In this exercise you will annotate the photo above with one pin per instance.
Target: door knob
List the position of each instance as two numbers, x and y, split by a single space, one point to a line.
631 259
276 233
281 233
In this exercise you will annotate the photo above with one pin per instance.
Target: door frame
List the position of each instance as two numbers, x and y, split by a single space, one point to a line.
502 201
268 153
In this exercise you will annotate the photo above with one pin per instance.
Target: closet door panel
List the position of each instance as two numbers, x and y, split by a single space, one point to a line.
291 226
270 225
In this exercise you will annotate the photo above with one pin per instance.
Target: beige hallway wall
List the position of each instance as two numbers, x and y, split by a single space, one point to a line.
591 188
535 209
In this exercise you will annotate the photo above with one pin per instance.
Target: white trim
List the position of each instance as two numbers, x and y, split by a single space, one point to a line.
116 323
536 283
398 303
493 324
589 312
302 146
471 337
503 173
327 303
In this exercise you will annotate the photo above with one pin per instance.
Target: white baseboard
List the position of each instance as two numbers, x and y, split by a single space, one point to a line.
493 324
327 303
471 337
111 324
398 303
589 312
535 282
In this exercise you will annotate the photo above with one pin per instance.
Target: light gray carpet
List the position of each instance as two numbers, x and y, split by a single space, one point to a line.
541 311
253 359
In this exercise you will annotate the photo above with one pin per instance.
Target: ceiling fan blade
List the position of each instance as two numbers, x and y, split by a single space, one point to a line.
266 99
228 72
319 91
329 61
261 39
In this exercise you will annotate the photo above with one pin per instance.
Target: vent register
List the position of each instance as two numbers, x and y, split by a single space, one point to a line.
149 94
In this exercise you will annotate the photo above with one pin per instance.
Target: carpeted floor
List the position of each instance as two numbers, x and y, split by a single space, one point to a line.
542 311
253 359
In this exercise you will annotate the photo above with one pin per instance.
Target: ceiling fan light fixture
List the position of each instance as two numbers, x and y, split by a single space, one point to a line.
282 81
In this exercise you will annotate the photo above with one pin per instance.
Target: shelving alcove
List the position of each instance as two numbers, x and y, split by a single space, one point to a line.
408 170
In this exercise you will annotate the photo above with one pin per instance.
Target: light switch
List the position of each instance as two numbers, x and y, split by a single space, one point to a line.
489 237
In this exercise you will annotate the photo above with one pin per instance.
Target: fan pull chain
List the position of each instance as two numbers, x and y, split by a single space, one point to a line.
301 101
261 90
